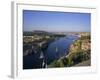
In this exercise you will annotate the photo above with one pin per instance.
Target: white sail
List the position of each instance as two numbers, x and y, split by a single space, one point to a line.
56 49
43 63
41 55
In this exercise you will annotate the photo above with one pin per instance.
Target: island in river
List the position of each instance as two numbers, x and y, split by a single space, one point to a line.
43 49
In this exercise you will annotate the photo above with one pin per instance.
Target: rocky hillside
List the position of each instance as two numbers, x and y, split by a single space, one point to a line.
80 51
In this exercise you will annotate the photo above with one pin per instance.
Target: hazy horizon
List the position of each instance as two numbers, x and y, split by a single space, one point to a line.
57 31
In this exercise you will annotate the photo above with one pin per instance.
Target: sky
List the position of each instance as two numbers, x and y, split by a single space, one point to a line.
56 21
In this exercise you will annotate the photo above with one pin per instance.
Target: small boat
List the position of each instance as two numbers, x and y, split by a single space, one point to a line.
43 63
56 49
41 55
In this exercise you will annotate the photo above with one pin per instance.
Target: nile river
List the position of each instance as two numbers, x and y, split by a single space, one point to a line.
55 50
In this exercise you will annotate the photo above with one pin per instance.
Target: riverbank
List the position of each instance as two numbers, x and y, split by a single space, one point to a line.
35 48
80 51
59 48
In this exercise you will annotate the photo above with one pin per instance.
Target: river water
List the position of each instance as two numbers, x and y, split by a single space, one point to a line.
60 47
55 50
